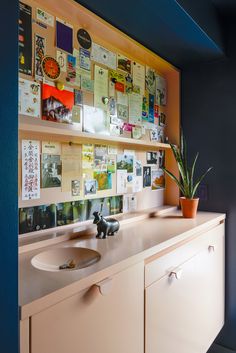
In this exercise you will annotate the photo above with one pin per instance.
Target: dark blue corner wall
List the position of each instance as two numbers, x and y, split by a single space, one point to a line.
209 122
8 177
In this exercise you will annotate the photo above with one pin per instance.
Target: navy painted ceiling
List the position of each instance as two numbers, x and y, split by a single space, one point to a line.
225 6
164 26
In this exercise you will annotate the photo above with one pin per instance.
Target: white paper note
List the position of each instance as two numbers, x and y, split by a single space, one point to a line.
30 170
29 98
135 108
121 181
100 87
139 76
103 56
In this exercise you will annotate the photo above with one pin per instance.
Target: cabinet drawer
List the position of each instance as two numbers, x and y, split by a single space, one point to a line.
163 265
110 321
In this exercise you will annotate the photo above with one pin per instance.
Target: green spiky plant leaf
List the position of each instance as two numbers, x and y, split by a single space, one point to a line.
187 185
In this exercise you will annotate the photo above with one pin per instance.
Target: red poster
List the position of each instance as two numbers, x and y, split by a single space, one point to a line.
57 105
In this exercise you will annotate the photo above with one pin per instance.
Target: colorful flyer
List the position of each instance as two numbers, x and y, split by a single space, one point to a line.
30 170
145 109
71 69
151 108
29 98
100 88
64 36
103 56
118 80
57 105
62 60
40 51
135 108
87 156
25 39
104 180
124 64
45 17
84 62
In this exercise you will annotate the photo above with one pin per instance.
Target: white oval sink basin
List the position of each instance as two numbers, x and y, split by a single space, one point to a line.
65 259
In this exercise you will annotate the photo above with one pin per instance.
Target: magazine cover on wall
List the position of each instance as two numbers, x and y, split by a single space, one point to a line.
57 104
36 218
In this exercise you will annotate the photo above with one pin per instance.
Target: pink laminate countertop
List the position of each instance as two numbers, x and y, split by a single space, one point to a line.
134 243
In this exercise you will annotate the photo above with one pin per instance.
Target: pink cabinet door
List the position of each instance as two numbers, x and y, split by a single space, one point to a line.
185 308
110 321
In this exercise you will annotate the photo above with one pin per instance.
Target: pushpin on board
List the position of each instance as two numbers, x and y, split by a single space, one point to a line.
60 86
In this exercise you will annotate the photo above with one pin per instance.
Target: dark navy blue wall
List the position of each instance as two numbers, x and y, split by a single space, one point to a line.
8 177
209 122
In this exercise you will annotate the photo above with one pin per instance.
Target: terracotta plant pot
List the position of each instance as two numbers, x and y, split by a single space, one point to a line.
189 207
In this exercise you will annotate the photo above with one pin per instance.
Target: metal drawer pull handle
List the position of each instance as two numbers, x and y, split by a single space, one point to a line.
211 248
177 273
105 286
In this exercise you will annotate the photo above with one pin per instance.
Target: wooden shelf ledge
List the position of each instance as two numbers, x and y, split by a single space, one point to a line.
47 130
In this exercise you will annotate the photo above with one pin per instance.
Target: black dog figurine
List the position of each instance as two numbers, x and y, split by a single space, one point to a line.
105 226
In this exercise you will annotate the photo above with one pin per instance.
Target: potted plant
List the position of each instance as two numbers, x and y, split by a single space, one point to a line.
187 186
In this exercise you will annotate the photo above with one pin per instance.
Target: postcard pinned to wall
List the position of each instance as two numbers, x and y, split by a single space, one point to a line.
103 56
40 52
124 64
84 59
51 171
161 90
139 76
30 170
125 162
112 150
121 184
104 180
87 156
135 108
29 98
45 17
158 179
52 148
87 84
90 187
137 184
100 88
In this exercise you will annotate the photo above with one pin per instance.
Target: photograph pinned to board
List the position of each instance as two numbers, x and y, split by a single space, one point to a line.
25 39
100 152
61 58
139 76
161 90
71 69
104 180
64 36
51 171
99 166
158 179
154 134
90 187
162 120
129 88
103 56
122 112
75 187
111 165
71 212
161 159
29 98
57 105
152 157
96 120
125 162
150 79
146 177
124 64
35 218
121 184
40 52
45 17
138 168
87 156
30 170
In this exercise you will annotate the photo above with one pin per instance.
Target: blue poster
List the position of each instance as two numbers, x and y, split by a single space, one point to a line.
151 108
